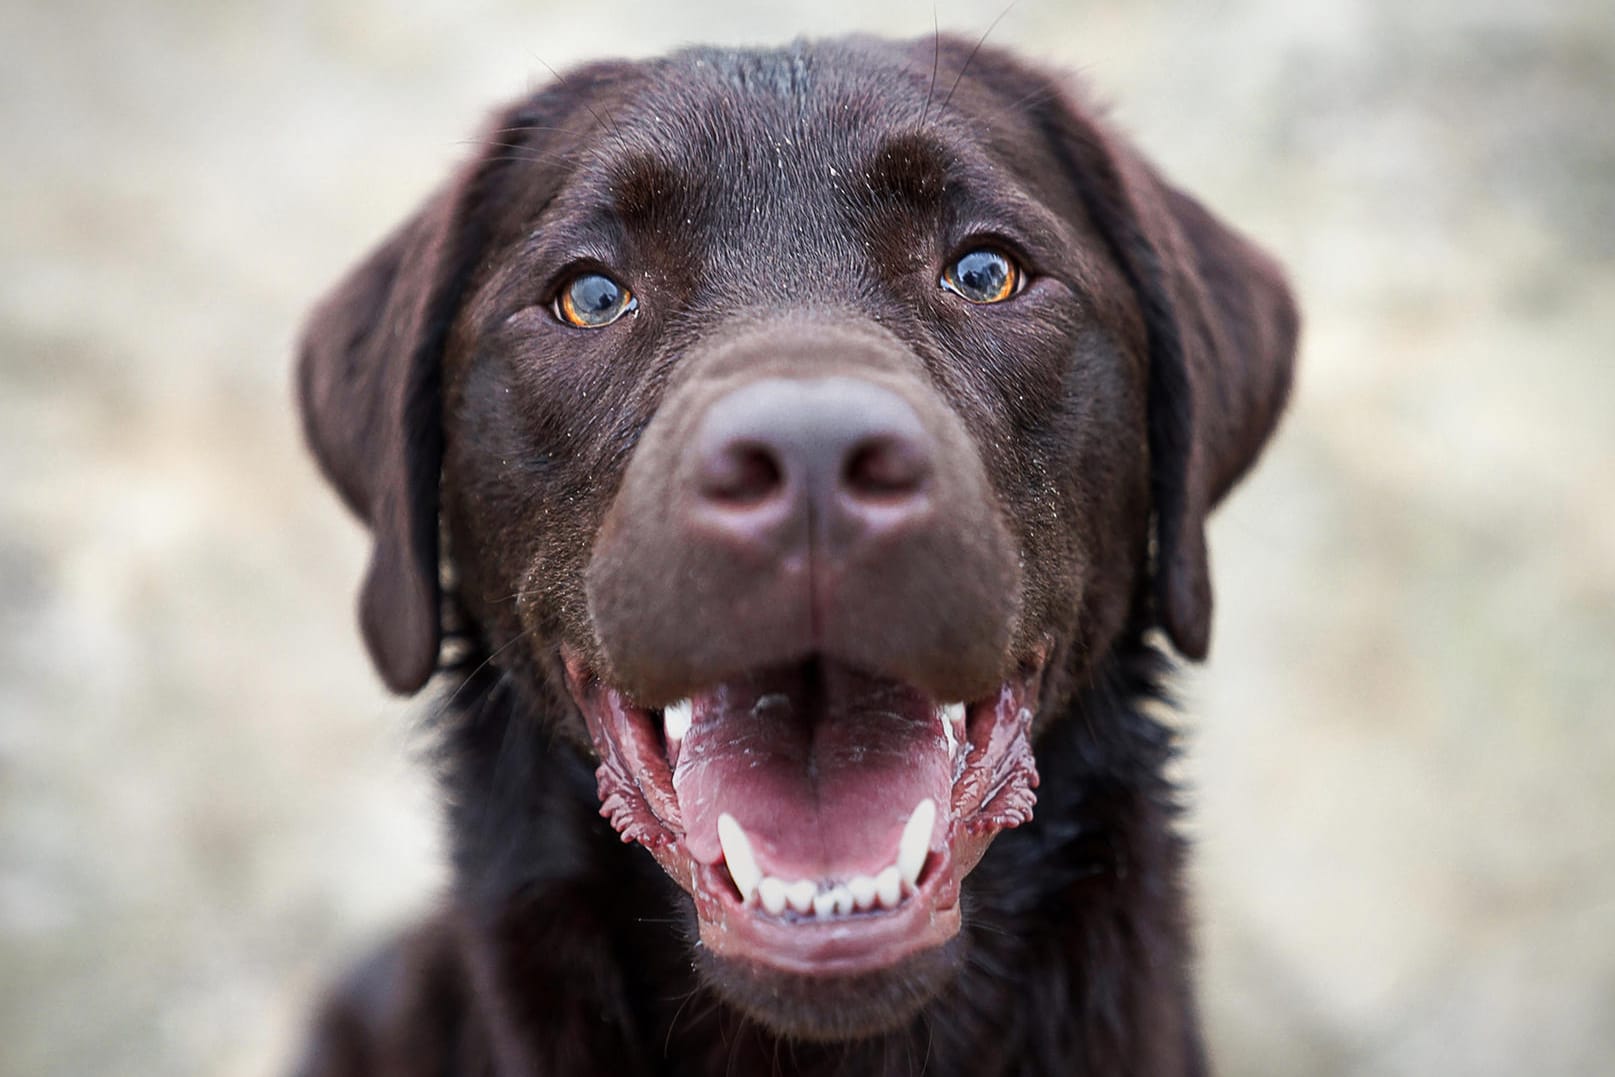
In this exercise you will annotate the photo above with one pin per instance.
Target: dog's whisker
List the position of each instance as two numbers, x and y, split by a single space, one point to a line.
521 128
521 152
517 596
1034 99
971 58
936 61
562 80
472 676
673 1022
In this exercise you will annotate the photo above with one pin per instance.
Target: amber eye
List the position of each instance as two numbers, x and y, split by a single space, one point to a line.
983 276
593 301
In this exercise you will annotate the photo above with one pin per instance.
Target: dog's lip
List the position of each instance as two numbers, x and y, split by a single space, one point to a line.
928 917
991 790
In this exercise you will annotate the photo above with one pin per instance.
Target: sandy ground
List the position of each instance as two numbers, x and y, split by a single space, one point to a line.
1402 753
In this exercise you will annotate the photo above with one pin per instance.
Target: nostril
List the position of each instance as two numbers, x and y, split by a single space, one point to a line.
884 468
742 475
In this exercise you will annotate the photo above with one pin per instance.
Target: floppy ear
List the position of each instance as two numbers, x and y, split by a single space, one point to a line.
368 382
1222 329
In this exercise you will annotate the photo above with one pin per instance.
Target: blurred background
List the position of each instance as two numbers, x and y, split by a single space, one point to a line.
1402 753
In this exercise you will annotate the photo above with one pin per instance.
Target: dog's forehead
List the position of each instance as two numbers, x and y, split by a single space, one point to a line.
769 132
787 159
766 108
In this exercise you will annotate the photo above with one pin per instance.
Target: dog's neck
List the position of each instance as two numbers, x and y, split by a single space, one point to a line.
1073 956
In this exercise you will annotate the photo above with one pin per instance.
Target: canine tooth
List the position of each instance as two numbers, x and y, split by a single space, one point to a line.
772 893
862 889
738 856
889 887
676 719
800 895
916 841
953 724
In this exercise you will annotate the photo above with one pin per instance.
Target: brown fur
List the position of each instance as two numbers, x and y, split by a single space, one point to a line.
1108 409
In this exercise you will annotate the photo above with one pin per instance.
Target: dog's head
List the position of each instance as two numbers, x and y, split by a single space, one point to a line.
810 425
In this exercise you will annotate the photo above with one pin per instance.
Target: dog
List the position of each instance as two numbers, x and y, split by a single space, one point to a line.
792 467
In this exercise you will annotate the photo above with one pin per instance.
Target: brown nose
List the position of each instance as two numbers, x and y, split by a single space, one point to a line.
804 490
836 462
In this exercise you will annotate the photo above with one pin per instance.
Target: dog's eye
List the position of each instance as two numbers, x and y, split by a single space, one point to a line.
593 301
983 276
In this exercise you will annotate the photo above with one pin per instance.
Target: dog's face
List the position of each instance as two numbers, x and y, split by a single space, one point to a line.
803 428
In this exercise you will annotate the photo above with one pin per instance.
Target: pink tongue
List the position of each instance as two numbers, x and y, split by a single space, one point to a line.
821 768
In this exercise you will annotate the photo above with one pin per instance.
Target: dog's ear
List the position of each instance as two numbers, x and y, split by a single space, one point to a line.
368 382
1222 328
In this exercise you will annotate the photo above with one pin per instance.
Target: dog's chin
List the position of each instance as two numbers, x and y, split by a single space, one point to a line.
832 1008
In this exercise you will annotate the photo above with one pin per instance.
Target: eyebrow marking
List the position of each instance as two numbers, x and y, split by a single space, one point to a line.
911 168
644 188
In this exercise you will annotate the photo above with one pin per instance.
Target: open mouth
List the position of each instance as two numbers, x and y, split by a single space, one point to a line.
822 818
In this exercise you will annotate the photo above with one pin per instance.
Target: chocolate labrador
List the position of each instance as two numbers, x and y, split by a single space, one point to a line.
780 460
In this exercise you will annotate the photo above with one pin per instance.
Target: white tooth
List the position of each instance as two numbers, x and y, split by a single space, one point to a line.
737 854
841 900
772 893
862 889
889 887
824 903
800 895
953 724
916 841
676 718
774 701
